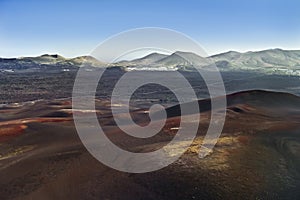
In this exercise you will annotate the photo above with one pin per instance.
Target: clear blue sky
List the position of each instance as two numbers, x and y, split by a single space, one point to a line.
71 28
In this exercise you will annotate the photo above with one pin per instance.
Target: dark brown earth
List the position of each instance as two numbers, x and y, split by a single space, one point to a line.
256 157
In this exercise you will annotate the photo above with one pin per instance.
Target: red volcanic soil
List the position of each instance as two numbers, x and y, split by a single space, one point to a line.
7 131
256 157
14 118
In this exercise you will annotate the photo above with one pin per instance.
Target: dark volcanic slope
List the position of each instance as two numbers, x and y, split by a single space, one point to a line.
268 101
256 157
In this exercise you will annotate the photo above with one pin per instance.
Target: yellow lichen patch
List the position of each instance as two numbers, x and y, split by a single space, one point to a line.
216 159
17 151
177 148
222 141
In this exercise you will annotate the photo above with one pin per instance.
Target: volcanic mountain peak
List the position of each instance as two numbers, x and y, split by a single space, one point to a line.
183 58
226 55
51 56
148 59
44 59
86 60
48 61
154 55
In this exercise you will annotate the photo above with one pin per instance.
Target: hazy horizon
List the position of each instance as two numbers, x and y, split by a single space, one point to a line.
138 56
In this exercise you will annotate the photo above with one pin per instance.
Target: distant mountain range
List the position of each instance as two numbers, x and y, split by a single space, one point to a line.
274 61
